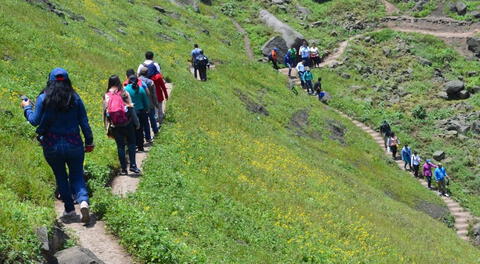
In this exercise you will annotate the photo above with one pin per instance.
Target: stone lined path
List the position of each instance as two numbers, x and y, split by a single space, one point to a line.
462 216
95 236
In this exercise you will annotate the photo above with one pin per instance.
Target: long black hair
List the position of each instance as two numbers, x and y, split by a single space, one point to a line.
114 81
133 80
59 95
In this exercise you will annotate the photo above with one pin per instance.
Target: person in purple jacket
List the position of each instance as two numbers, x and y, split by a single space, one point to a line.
427 172
60 114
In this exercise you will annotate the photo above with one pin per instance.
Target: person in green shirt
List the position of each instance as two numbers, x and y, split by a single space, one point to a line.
138 93
293 57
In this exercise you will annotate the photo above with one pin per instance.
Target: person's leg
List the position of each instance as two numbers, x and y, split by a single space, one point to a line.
195 69
429 181
441 186
120 141
146 128
160 114
139 132
203 73
404 164
131 140
75 157
394 152
57 161
153 120
275 65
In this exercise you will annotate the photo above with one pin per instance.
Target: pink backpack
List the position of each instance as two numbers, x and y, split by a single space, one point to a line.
116 109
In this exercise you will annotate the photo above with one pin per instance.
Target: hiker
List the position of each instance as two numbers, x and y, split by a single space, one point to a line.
305 53
152 100
393 143
139 98
202 65
307 79
59 114
293 56
287 60
273 57
315 56
146 126
440 177
407 157
154 73
385 130
195 52
121 122
300 70
427 172
416 164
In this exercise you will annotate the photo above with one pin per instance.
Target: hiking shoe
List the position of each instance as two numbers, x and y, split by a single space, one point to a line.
85 211
135 170
140 149
69 215
124 172
447 195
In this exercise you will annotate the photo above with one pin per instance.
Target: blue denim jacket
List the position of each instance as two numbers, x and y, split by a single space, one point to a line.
60 123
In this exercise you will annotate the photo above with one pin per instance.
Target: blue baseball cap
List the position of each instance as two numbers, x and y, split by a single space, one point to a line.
59 74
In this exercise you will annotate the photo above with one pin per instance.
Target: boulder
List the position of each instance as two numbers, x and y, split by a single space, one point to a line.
160 9
77 255
291 37
424 61
461 8
473 45
475 14
464 94
439 155
275 42
475 89
453 88
475 127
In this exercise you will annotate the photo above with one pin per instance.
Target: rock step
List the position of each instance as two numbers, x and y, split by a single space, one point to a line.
461 226
462 233
455 209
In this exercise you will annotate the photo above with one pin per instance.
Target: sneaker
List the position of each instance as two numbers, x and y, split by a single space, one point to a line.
124 172
149 141
135 170
446 195
140 149
85 212
69 215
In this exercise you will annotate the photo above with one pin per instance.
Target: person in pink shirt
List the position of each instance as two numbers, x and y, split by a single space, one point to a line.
427 172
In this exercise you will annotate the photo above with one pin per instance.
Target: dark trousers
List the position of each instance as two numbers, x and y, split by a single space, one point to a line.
394 149
152 121
441 186
143 119
307 62
416 168
274 63
309 86
61 155
202 70
125 136
429 181
195 70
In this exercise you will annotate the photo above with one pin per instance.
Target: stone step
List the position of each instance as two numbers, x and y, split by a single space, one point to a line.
462 232
463 237
460 221
455 209
461 214
461 226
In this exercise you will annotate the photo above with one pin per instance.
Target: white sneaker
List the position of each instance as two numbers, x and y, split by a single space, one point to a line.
446 195
85 212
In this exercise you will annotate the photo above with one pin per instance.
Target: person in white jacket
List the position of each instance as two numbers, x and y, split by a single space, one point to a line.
416 160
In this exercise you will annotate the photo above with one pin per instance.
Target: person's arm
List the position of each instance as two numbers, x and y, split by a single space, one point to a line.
145 99
139 68
158 67
154 97
83 120
134 116
34 116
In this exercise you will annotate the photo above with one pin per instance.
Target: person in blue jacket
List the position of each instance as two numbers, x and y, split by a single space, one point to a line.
141 105
287 60
59 114
440 177
407 157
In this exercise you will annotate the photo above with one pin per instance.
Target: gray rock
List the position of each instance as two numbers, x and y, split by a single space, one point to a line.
77 255
424 61
439 155
160 9
475 89
121 31
345 75
452 88
443 95
275 42
475 14
461 8
475 127
464 94
291 37
473 45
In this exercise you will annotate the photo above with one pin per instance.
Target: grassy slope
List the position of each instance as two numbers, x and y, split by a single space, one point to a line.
332 15
433 5
221 179
421 134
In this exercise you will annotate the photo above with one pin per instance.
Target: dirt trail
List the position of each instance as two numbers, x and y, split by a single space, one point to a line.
246 39
95 236
390 8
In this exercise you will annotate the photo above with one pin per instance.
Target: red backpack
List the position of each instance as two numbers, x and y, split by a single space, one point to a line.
116 109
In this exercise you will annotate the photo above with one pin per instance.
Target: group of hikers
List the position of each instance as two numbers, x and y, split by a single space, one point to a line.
132 110
413 161
302 61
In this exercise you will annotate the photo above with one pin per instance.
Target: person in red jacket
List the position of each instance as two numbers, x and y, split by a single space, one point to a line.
273 57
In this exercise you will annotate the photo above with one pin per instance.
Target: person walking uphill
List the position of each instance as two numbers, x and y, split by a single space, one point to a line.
440 177
121 119
307 79
287 60
60 114
273 57
416 164
153 102
195 52
154 73
202 65
407 157
305 53
427 172
140 104
385 130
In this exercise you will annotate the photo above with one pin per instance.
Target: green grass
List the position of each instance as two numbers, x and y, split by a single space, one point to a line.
221 184
422 134
406 7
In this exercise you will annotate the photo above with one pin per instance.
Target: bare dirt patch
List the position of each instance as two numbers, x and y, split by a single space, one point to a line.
251 105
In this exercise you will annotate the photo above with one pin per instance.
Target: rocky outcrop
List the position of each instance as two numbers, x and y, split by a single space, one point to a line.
456 90
290 37
473 45
77 255
439 155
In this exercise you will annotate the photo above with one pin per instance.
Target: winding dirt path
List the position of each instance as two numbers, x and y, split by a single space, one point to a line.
246 40
390 8
95 235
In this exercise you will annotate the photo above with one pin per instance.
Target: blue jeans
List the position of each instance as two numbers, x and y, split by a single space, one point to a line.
153 120
59 156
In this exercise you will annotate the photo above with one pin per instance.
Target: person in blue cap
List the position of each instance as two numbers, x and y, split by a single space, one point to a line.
59 115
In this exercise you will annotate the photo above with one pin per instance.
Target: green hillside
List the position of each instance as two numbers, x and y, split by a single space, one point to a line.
244 170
